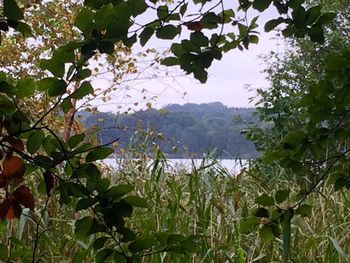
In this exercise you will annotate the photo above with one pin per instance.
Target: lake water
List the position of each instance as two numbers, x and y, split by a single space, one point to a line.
233 166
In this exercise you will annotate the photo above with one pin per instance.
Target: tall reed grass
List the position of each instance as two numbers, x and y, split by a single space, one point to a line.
205 200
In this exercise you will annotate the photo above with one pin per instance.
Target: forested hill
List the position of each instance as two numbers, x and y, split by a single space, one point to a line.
191 128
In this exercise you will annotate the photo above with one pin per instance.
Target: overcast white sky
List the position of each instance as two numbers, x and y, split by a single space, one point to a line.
226 82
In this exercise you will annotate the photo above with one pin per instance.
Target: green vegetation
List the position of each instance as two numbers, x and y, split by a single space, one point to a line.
57 204
181 131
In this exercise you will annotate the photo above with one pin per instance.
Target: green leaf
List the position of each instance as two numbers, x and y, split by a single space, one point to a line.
162 12
75 140
199 39
167 32
80 256
99 154
84 20
266 233
253 39
316 33
265 200
82 227
327 18
312 14
295 3
12 10
141 245
3 252
119 190
146 35
106 47
85 203
57 87
99 243
273 23
24 29
262 212
281 195
299 16
35 141
210 20
54 66
170 61
25 87
248 224
64 54
88 49
84 89
136 201
128 234
102 185
304 211
261 5
7 107
104 16
103 255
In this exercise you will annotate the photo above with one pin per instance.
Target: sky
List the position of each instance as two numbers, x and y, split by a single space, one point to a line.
227 79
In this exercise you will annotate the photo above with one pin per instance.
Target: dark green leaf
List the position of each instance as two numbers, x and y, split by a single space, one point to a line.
316 33
136 201
170 61
12 11
56 87
142 244
35 141
84 89
82 227
295 3
128 234
24 29
266 233
3 252
104 16
25 87
64 54
265 200
120 190
261 5
85 203
326 18
99 243
273 23
299 16
162 12
99 154
7 107
146 35
210 20
84 20
262 212
54 66
75 140
174 239
312 14
199 39
88 49
103 255
80 256
167 32
304 211
106 47
281 195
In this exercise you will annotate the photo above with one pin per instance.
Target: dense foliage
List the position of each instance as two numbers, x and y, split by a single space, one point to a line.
181 131
42 164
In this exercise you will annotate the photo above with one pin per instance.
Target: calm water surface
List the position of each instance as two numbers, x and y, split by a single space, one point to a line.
233 166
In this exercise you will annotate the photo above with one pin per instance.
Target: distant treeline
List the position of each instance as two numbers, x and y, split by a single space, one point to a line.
191 129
